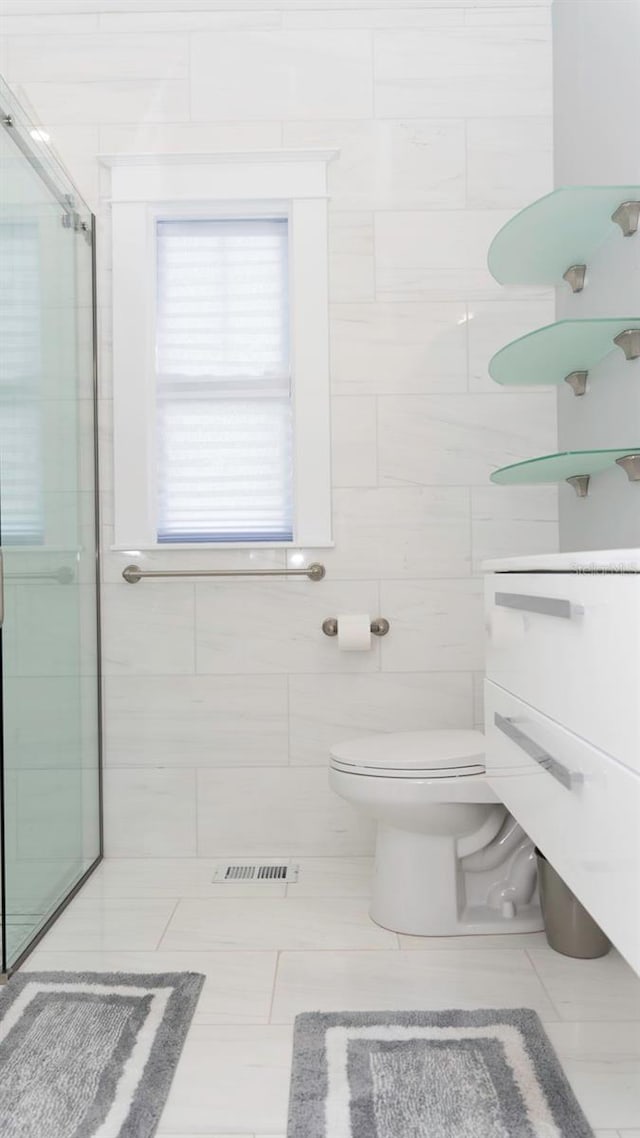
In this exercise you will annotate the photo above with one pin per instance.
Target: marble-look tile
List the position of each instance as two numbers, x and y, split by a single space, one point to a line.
389 165
354 457
435 625
97 58
478 700
343 17
508 521
41 23
230 1079
110 100
189 721
149 812
187 19
436 255
351 256
277 813
509 161
359 981
426 534
288 74
506 941
602 1063
277 626
495 15
295 923
471 72
109 924
327 709
602 989
333 877
148 629
237 989
398 348
189 138
460 440
170 877
492 324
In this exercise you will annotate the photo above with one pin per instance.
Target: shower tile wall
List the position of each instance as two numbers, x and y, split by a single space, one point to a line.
221 699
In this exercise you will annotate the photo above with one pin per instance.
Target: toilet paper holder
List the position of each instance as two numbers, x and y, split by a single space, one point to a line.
379 627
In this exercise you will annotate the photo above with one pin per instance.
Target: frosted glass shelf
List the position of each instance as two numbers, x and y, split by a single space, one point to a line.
552 353
562 229
569 465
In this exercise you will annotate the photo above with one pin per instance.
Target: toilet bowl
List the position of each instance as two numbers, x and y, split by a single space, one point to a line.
450 859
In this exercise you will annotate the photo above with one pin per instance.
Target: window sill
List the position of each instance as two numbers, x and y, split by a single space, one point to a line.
170 547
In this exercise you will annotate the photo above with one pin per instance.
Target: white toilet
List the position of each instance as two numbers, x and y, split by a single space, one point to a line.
450 859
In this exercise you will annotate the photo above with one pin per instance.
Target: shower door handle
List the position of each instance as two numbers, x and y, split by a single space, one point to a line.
1 589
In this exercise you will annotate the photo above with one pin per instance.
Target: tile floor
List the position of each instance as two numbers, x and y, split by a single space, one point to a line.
270 951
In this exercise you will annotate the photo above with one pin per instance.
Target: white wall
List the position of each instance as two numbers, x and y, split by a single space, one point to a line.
221 699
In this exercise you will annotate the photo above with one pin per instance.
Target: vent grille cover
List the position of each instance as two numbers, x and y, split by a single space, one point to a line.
228 872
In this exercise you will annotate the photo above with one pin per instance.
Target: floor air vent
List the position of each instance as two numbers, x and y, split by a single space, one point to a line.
227 873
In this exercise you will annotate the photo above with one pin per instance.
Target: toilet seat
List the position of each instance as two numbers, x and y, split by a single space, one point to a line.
412 754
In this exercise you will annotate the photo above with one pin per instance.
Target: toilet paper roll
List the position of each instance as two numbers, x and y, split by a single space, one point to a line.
354 632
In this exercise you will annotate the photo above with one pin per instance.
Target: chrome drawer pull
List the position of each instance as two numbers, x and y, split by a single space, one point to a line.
549 606
557 770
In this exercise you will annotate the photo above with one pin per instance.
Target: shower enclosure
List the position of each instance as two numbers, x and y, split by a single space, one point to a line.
50 837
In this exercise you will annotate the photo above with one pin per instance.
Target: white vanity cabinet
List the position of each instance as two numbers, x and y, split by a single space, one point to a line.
562 720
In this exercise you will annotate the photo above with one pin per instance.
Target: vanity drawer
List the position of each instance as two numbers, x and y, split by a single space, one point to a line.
578 805
569 644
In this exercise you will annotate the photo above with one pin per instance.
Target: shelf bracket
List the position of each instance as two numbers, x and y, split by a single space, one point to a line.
574 277
629 341
630 463
577 381
627 216
580 483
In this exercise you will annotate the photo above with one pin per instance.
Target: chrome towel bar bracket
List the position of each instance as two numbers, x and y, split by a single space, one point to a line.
133 573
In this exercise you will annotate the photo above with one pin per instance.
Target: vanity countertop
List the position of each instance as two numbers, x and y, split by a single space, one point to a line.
583 561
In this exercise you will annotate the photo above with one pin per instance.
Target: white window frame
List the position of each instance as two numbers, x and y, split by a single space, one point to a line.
146 189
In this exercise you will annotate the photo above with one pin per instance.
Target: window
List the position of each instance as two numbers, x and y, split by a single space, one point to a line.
223 384
221 379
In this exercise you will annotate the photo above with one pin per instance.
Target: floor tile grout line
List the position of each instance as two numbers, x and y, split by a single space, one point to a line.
164 931
545 987
273 988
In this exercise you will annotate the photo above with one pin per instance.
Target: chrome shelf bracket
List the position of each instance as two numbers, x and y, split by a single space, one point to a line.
631 466
574 277
626 216
577 381
629 341
580 483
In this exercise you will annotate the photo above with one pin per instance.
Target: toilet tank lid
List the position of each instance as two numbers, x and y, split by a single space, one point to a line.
422 750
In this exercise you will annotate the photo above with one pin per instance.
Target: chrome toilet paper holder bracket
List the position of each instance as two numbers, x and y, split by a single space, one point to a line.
379 627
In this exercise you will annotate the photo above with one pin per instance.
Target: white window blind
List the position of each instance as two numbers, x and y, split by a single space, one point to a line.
21 444
224 446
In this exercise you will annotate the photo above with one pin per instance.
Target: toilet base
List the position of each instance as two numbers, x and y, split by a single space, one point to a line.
420 889
474 921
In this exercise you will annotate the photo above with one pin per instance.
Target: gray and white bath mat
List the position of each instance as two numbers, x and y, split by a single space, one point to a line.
90 1055
450 1074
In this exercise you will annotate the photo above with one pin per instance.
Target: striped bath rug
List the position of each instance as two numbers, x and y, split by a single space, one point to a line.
449 1074
90 1054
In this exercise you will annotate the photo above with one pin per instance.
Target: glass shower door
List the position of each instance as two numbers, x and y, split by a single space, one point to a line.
50 701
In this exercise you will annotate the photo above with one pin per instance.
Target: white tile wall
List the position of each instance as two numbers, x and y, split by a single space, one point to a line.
221 700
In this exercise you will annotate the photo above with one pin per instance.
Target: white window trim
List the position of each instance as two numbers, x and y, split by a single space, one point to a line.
147 187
